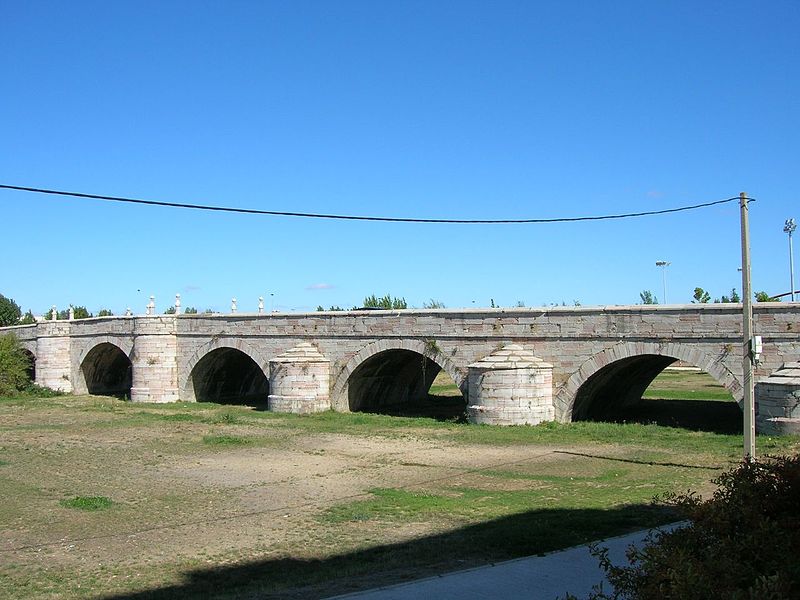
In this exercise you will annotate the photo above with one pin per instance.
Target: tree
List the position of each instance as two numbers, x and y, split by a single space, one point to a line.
433 304
62 315
700 296
765 297
170 311
14 365
190 310
387 302
734 297
648 297
10 312
80 312
104 312
27 319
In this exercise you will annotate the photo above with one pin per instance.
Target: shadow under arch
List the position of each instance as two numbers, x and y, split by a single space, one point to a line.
228 376
611 385
31 370
106 370
393 377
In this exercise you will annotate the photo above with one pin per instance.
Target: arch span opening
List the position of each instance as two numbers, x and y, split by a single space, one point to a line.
405 383
229 376
107 371
31 370
654 389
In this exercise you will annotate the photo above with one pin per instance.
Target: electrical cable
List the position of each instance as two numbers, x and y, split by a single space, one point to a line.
275 213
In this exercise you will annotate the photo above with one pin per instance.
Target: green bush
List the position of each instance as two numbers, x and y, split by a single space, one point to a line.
742 543
14 366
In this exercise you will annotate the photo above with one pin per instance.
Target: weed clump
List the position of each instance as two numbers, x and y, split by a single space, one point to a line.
89 503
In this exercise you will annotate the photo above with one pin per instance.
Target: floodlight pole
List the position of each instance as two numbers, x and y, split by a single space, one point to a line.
747 329
663 264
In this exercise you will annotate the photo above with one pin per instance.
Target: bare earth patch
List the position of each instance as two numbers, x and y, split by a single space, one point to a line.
282 507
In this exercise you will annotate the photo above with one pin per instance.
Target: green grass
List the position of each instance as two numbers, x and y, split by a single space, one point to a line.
225 440
466 504
179 470
687 385
88 503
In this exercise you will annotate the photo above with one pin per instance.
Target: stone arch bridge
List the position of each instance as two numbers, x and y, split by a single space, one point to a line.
512 365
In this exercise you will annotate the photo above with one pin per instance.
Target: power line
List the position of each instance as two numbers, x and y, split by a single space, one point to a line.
276 213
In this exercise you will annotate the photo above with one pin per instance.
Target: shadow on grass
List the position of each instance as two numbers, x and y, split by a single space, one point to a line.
695 415
255 401
529 533
445 408
640 462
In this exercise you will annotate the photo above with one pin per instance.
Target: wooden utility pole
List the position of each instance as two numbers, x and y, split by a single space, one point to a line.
747 344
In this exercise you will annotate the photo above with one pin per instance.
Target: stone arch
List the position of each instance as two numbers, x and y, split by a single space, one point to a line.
104 369
224 369
645 360
429 350
29 345
31 370
85 346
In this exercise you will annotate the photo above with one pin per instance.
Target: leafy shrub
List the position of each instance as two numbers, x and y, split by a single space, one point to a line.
14 365
741 544
27 319
40 391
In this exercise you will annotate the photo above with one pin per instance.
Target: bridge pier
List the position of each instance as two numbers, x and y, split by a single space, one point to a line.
154 360
299 381
511 387
778 401
54 356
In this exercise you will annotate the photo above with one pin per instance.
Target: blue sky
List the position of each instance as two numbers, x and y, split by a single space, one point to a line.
409 109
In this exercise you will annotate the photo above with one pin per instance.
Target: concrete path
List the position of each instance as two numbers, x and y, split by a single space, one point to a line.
546 577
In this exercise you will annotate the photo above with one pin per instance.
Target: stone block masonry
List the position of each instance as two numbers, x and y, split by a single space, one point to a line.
300 381
575 355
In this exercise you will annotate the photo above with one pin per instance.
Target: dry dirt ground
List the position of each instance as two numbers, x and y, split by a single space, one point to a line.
197 490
